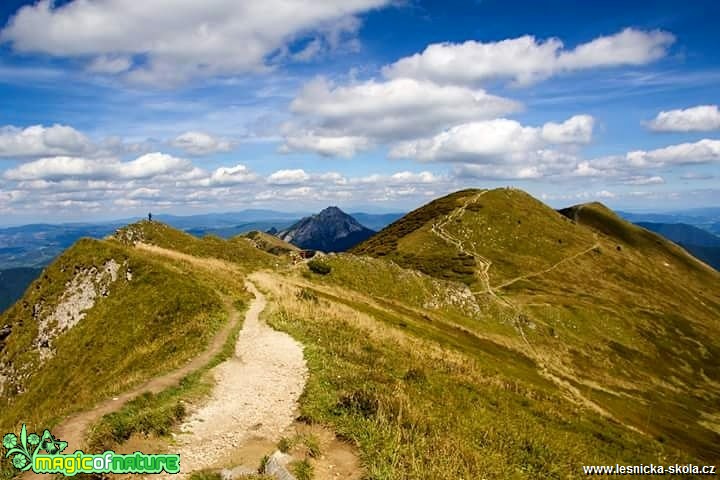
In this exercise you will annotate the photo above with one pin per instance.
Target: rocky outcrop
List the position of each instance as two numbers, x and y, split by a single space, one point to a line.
331 230
79 296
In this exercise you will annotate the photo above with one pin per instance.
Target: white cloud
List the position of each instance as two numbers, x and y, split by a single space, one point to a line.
229 176
110 64
288 177
199 143
144 192
703 151
577 129
346 119
697 176
526 60
644 180
38 140
412 177
396 108
605 194
328 146
64 167
702 118
180 40
399 178
311 51
497 141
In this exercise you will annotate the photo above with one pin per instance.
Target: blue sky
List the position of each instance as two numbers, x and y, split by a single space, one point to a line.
111 108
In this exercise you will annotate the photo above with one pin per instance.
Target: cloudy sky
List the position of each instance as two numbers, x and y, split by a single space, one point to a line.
111 108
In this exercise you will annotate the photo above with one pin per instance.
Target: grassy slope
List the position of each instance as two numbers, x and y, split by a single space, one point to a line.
433 381
270 243
238 250
625 317
124 337
424 399
429 255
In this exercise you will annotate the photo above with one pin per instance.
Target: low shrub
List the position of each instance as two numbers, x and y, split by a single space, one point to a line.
319 267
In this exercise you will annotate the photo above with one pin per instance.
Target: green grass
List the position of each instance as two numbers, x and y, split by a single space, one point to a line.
270 243
320 267
441 407
386 241
303 470
205 475
157 414
632 321
123 337
239 250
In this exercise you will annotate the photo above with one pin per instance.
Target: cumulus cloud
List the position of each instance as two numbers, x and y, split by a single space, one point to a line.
526 60
396 108
64 167
187 39
702 118
229 176
38 140
644 180
199 143
703 151
643 167
347 119
497 141
110 64
325 145
288 177
577 129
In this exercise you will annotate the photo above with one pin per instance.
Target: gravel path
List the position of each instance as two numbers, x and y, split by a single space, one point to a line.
256 393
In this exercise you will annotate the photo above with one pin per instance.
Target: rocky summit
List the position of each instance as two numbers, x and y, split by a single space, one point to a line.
331 230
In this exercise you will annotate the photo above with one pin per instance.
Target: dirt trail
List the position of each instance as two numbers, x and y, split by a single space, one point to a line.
485 263
518 317
256 394
549 269
74 429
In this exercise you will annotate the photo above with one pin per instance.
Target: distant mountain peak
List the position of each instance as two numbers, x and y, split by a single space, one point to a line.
330 230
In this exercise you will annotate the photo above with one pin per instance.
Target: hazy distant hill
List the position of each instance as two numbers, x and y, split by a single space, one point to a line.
37 244
376 221
13 283
683 233
483 335
699 242
705 218
331 230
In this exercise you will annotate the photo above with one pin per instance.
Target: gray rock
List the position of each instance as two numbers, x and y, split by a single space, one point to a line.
277 466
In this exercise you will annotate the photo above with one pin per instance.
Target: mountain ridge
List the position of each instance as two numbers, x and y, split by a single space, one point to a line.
557 339
330 230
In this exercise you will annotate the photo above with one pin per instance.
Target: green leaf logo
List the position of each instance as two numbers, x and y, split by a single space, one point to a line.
23 449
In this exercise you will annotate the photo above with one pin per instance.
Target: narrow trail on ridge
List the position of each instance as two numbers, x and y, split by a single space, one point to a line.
255 396
74 429
518 317
550 268
439 230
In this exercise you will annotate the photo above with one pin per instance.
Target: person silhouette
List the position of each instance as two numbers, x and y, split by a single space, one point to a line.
149 217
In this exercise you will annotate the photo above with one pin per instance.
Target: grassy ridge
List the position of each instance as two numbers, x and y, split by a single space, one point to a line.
429 255
157 414
420 405
270 243
124 337
618 313
239 250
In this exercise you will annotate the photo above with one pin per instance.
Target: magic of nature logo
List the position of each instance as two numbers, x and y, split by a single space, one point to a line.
44 454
